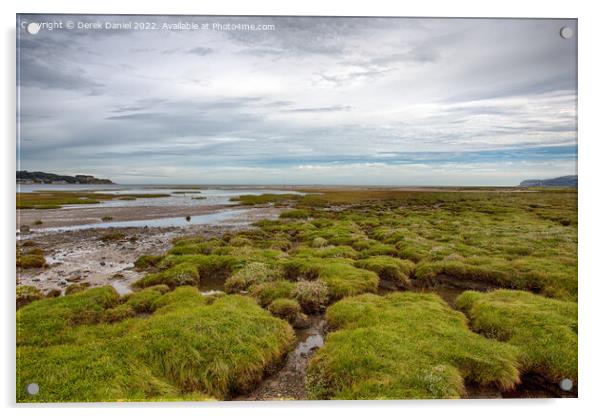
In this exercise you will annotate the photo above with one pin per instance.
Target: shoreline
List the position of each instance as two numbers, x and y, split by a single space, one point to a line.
80 256
66 217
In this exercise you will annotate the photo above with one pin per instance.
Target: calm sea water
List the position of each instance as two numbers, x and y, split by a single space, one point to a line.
178 195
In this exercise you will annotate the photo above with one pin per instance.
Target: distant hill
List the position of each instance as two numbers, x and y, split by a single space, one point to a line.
24 176
567 181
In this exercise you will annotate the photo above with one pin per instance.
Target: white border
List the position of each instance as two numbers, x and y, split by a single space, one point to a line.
590 98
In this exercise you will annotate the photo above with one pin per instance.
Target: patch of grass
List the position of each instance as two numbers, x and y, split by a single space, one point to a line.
38 222
186 349
207 265
301 268
311 295
27 294
544 330
296 214
404 346
147 261
343 279
329 251
112 236
389 268
76 287
380 249
249 275
107 218
275 199
57 199
48 321
30 261
287 309
267 292
181 274
145 300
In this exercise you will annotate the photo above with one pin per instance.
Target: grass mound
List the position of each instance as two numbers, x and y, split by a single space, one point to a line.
27 294
267 292
29 256
147 261
544 330
287 309
251 274
188 269
389 269
341 277
404 346
187 349
311 295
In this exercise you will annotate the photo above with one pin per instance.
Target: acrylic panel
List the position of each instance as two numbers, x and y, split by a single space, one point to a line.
295 208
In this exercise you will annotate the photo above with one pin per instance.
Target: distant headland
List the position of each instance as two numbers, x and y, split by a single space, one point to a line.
569 181
25 177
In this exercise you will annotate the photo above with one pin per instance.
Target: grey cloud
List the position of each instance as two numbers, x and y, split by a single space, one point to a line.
385 86
200 51
37 74
319 109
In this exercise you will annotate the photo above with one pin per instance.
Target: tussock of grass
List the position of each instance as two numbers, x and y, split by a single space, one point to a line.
389 268
404 346
251 274
267 292
179 275
188 269
319 242
287 309
311 295
112 236
325 252
145 300
544 330
27 294
343 279
147 261
30 261
186 350
76 287
48 321
379 249
296 214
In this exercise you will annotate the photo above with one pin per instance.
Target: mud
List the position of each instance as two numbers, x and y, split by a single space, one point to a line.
289 382
52 218
81 256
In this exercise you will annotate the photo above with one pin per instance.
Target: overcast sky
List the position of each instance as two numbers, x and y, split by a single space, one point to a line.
315 101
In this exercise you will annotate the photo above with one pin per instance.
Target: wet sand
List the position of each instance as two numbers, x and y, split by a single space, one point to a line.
81 256
92 215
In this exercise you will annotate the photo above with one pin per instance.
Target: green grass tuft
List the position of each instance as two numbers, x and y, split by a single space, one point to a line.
187 349
544 330
390 269
404 346
27 294
287 309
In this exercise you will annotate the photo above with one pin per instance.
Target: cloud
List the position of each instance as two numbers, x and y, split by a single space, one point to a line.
200 51
366 100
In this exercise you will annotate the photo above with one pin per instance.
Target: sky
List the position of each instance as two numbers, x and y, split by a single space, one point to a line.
364 101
